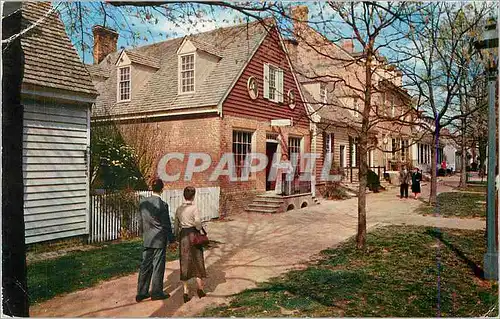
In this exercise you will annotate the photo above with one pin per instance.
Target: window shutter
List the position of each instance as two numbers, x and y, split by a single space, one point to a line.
266 80
279 85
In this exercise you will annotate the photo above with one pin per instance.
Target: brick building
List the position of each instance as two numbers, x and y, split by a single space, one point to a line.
331 77
215 92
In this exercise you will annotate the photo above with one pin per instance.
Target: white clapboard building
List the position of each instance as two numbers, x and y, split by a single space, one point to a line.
57 95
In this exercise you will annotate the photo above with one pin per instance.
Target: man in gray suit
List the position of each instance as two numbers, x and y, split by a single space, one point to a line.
156 233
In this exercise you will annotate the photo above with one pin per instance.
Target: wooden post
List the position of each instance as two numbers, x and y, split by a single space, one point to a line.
14 281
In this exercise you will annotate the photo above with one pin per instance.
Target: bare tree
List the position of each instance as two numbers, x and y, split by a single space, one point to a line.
438 30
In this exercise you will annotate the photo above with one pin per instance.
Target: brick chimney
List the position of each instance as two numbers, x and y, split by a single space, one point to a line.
348 45
300 16
105 41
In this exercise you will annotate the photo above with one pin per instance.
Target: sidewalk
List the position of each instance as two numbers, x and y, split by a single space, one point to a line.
251 248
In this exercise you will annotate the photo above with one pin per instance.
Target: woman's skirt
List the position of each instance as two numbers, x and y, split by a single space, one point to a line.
415 187
191 259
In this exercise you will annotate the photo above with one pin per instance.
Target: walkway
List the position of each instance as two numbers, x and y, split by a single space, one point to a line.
251 248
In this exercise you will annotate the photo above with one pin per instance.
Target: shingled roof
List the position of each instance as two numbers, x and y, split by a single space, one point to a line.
334 111
139 58
232 45
50 58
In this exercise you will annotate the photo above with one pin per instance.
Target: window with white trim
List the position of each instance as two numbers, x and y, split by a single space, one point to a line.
328 146
273 83
124 84
393 107
187 73
355 111
342 156
354 151
404 150
242 145
323 94
294 148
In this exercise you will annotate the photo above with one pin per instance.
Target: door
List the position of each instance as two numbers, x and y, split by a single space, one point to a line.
270 151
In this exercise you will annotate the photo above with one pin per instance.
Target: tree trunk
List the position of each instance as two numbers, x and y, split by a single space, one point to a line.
14 285
463 157
363 173
362 149
433 193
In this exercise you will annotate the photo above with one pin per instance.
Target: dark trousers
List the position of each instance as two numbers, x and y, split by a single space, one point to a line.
152 267
403 190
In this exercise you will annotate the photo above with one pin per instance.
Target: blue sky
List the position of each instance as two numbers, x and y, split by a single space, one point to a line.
137 31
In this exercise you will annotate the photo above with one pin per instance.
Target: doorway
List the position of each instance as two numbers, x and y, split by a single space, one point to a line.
271 148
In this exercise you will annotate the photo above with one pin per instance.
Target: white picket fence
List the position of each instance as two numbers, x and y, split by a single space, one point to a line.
107 224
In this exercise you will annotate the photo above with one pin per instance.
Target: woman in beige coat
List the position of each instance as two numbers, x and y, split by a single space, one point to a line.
192 263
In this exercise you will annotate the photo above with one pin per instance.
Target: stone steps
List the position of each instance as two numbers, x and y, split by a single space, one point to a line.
265 204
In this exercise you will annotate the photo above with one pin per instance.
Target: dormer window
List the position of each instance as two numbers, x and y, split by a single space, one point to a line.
124 84
187 73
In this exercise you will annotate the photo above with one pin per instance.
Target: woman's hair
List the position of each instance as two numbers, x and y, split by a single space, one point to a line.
189 193
157 185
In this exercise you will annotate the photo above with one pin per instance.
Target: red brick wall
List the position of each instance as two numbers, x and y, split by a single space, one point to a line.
259 128
183 136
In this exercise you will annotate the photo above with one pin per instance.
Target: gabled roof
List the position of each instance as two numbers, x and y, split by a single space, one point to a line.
207 47
235 47
142 59
50 58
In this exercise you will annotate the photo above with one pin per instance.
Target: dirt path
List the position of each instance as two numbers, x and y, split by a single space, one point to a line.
251 248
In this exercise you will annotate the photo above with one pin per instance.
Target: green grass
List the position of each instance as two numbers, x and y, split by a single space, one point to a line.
457 204
396 277
483 183
84 269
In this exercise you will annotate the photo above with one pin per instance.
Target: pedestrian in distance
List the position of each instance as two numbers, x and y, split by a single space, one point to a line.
154 222
187 226
404 181
416 178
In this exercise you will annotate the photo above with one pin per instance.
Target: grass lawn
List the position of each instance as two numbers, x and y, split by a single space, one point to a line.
397 277
479 183
84 269
474 187
457 204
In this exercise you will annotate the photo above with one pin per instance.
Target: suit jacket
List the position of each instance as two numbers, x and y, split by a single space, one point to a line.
404 178
155 222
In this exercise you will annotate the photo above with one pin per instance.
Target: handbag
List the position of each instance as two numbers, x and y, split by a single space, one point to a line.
200 238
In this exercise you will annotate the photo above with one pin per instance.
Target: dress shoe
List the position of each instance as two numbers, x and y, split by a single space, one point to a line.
140 298
186 298
160 297
201 293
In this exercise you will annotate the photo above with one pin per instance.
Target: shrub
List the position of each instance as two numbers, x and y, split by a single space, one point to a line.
333 189
373 181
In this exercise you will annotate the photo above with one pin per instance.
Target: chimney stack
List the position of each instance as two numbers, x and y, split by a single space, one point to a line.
105 42
300 16
348 45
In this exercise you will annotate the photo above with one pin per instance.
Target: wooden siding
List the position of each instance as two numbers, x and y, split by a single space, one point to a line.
55 141
340 137
239 103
